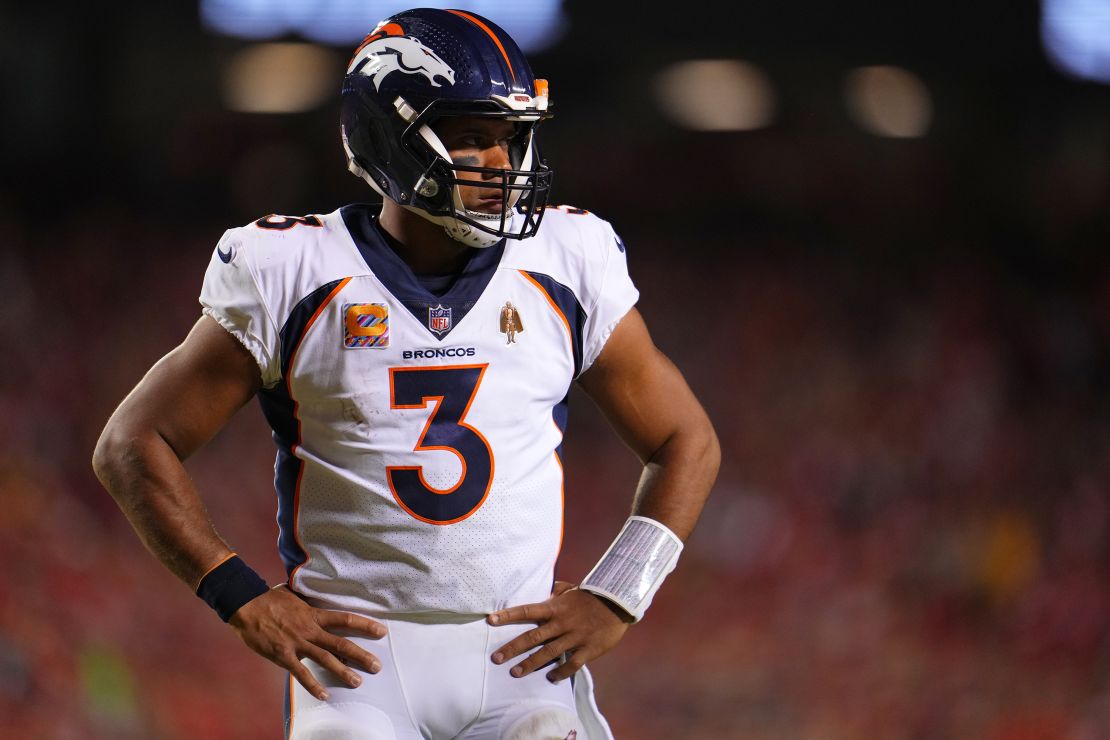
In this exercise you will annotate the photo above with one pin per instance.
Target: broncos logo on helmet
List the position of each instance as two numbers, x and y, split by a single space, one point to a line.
382 57
423 65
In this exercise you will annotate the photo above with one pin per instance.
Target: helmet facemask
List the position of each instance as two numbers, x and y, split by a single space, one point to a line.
524 187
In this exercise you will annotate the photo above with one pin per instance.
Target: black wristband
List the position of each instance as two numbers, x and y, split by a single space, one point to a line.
229 585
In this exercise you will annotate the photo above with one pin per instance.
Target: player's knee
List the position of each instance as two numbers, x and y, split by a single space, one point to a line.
540 721
349 721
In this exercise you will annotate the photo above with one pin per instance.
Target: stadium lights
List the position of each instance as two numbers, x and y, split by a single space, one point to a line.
280 78
1076 37
535 25
888 101
716 95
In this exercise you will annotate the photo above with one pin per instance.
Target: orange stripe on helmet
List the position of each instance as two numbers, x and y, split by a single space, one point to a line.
389 29
492 35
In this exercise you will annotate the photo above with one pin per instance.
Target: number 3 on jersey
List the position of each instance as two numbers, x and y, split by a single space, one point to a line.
453 388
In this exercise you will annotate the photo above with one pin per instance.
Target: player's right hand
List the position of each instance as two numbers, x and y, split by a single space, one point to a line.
282 628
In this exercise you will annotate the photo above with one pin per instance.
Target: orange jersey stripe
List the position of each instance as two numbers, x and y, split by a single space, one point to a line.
308 327
562 504
289 389
554 307
492 35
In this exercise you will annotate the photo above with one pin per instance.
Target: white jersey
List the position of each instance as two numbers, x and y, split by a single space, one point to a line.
418 465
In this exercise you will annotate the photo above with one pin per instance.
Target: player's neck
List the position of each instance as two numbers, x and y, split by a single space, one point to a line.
424 246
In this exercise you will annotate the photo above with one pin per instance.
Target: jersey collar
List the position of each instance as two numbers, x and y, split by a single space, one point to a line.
362 223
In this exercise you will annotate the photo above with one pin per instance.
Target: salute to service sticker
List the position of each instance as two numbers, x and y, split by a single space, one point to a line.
365 325
509 322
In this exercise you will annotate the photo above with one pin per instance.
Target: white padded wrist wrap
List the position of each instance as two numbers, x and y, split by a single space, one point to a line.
634 566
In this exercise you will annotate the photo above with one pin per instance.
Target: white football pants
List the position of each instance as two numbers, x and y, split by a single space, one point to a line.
437 683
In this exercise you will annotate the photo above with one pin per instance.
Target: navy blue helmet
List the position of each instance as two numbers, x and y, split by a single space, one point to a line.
417 67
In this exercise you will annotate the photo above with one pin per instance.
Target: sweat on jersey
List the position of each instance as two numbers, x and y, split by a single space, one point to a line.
418 466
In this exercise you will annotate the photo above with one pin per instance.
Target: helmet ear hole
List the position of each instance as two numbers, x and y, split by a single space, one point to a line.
378 139
432 194
520 144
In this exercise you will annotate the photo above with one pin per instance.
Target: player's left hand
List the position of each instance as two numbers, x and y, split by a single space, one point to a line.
572 622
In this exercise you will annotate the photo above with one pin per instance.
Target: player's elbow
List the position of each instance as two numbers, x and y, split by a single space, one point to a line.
117 450
106 453
707 448
695 446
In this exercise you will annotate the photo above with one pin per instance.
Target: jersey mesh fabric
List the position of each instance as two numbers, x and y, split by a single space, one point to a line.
357 545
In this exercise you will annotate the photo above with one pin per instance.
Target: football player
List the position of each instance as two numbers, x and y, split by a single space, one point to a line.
419 467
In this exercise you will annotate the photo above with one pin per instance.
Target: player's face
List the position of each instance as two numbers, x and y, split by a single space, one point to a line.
478 142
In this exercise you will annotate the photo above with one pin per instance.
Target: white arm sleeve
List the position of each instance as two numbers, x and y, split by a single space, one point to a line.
616 297
231 296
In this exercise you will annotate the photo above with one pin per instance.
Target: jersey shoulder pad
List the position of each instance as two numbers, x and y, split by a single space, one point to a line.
574 243
272 240
573 247
283 259
583 254
578 228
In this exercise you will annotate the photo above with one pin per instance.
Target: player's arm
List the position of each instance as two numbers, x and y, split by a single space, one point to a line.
646 399
648 402
187 397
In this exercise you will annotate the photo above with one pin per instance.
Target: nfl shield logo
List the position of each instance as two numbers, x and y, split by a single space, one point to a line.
439 319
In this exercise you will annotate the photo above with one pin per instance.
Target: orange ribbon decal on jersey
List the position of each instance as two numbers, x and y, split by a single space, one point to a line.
376 311
365 325
452 388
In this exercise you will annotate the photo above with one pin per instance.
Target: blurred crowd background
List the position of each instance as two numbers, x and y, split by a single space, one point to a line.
872 235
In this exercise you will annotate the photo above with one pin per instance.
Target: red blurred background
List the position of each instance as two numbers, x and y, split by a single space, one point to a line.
901 335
